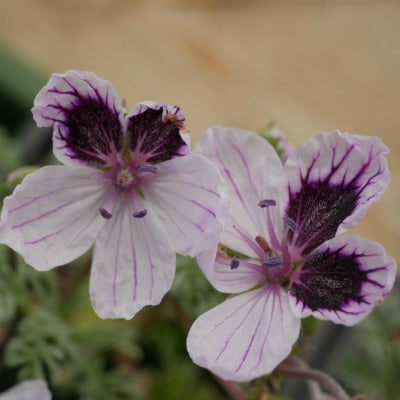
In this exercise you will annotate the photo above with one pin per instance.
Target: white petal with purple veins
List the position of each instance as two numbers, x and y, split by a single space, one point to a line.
333 179
246 336
86 115
343 280
253 172
53 216
133 264
187 194
28 390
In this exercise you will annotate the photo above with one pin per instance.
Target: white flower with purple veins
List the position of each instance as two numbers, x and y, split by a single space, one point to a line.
279 247
28 390
129 184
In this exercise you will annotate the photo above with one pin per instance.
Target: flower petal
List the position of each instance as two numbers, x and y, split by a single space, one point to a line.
53 216
87 117
333 179
343 280
156 132
133 264
246 336
187 194
253 172
28 390
238 279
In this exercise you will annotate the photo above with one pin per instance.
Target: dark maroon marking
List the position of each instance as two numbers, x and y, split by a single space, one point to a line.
331 280
91 127
320 207
155 138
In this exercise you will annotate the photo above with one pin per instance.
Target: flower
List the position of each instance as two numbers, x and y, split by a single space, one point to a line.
28 390
279 247
130 184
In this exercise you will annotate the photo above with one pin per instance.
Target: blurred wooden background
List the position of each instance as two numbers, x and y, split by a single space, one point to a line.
307 65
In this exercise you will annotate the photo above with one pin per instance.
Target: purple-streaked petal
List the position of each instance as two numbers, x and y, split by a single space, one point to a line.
253 172
133 264
29 390
246 275
53 216
246 336
156 132
343 280
187 194
333 179
86 115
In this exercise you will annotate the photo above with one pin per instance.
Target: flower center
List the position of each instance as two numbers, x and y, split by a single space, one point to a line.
125 178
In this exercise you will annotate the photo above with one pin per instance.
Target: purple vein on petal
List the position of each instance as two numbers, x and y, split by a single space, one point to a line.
236 329
255 332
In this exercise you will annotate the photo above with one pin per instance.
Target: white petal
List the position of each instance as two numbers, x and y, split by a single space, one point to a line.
28 390
333 179
53 216
343 280
87 117
246 336
133 264
187 195
253 172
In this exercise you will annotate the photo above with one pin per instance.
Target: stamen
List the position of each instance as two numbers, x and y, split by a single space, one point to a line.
234 263
104 213
273 262
152 169
140 214
267 203
249 242
289 222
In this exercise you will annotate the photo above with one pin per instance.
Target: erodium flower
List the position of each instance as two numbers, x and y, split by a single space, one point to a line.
130 184
279 248
28 390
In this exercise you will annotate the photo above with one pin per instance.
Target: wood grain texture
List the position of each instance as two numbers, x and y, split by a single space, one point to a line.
308 65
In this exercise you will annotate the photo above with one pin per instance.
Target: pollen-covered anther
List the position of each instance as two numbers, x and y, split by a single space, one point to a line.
104 213
267 203
234 263
140 214
289 223
273 262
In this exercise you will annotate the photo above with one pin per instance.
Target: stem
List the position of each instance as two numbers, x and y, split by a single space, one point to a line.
299 369
234 391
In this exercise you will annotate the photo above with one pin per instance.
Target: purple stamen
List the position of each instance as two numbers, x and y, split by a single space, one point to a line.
140 214
289 222
152 169
273 262
104 213
234 263
267 203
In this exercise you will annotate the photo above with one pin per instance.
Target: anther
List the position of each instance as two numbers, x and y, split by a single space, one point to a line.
267 203
289 222
152 169
273 262
234 263
140 214
104 213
